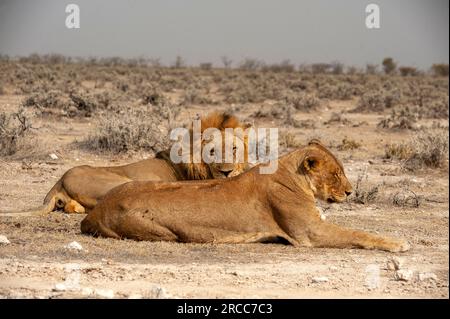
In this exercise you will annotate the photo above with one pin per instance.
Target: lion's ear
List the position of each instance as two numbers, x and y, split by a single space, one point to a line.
310 163
316 141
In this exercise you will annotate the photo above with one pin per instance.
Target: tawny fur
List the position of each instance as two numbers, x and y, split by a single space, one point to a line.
80 188
251 207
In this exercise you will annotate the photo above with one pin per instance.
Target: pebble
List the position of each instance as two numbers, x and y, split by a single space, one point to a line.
53 156
4 240
74 245
427 276
320 279
403 275
394 263
104 293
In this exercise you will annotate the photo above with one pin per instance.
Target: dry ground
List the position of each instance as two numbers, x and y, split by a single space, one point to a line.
35 261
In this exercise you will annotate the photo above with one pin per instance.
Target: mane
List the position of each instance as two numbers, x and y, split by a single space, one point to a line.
196 171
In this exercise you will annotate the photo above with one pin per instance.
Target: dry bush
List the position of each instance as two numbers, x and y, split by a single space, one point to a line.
194 96
14 133
408 71
284 66
251 64
348 145
371 69
426 149
377 101
364 192
440 69
340 91
288 140
400 118
337 118
133 130
303 101
389 66
205 66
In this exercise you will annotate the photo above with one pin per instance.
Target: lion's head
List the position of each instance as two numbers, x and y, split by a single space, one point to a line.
325 173
220 169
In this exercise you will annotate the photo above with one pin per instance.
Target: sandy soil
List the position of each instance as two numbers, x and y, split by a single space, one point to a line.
36 263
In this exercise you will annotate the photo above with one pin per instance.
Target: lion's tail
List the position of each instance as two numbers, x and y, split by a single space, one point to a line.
50 202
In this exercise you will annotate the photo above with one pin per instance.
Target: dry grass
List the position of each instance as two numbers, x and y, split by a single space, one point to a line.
426 149
16 138
133 130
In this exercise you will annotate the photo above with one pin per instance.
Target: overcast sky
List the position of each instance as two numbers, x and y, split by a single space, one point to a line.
413 32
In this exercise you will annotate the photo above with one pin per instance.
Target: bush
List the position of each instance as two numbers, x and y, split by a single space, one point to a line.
426 149
303 102
440 69
403 118
364 192
132 131
389 65
14 129
377 101
408 71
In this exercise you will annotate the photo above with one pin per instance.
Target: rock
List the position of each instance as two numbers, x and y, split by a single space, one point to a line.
333 268
4 240
86 291
394 263
53 156
60 287
403 275
427 276
74 246
135 296
317 280
104 293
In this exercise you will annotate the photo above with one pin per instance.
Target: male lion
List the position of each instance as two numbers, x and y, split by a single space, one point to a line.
248 208
80 188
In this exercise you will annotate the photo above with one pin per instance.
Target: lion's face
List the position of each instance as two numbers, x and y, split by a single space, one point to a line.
325 174
219 167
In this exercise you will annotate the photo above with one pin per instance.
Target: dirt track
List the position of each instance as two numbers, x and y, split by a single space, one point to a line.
36 261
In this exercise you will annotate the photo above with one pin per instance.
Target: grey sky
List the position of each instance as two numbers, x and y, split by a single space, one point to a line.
413 32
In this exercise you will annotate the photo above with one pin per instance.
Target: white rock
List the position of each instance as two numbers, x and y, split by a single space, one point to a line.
86 291
320 279
333 268
60 287
104 293
403 275
74 245
53 156
4 240
427 276
394 263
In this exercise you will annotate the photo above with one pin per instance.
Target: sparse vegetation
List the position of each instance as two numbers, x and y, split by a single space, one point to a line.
389 66
14 131
425 149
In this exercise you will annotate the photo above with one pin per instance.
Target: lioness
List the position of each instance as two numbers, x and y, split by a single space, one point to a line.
80 188
249 208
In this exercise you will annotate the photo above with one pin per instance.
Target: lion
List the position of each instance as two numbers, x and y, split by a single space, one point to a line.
249 208
81 187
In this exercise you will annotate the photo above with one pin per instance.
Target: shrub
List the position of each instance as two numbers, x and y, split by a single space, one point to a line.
303 101
426 149
402 118
14 129
389 65
364 192
408 71
377 101
132 131
440 69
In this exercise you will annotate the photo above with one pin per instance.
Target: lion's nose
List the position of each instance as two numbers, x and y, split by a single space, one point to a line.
348 193
226 173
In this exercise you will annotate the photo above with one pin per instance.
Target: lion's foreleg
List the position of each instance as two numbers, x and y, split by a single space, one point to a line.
324 234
